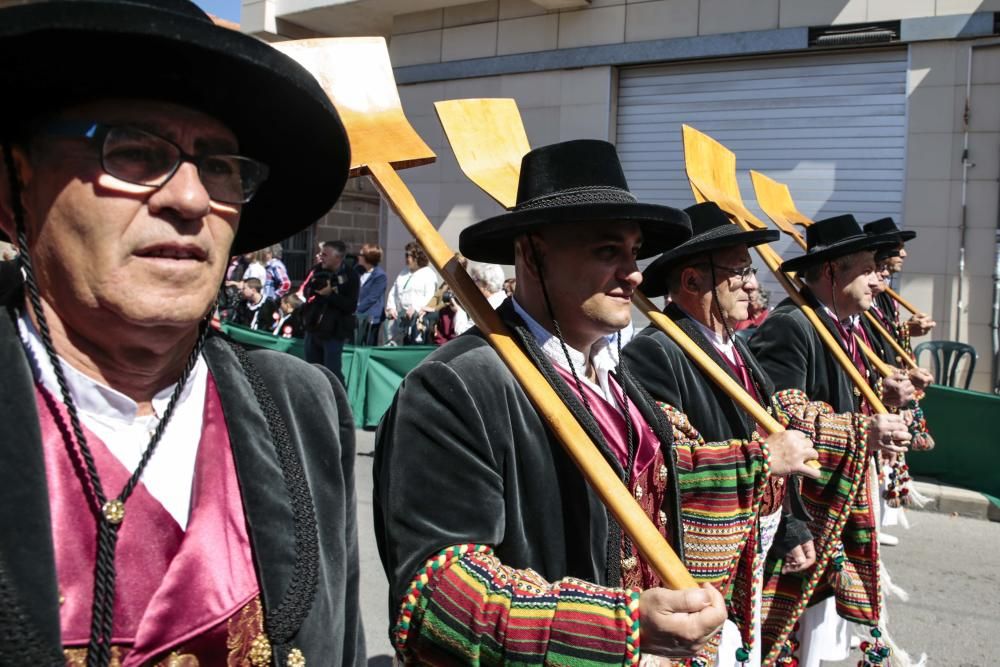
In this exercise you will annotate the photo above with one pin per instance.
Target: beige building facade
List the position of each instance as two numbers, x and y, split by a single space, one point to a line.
870 107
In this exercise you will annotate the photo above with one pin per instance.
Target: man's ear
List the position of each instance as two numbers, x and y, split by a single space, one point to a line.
530 249
830 272
691 280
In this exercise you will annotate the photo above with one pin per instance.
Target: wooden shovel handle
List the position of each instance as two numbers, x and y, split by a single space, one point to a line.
901 301
774 263
711 369
708 365
897 348
613 493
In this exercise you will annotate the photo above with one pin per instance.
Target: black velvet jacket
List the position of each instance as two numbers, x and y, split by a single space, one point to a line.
879 343
668 375
462 456
793 355
666 372
298 496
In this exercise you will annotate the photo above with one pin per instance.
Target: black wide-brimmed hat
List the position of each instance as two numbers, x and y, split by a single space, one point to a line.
63 52
711 230
578 181
836 237
887 226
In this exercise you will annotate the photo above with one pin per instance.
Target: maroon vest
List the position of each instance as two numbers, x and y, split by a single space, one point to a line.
182 593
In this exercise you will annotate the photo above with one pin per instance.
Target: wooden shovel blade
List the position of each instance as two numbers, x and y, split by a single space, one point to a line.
711 170
776 201
488 138
357 75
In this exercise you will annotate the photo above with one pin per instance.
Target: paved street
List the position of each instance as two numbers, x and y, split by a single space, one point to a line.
949 565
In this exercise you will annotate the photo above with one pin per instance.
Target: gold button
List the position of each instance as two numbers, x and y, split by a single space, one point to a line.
638 492
260 651
295 658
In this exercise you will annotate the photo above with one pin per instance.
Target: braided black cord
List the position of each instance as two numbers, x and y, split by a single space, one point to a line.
732 338
630 435
586 418
105 572
167 413
284 621
43 326
616 536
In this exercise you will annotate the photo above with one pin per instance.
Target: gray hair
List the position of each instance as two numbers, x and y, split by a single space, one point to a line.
490 276
275 250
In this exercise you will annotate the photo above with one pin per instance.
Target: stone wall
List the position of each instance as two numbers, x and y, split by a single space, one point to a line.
355 218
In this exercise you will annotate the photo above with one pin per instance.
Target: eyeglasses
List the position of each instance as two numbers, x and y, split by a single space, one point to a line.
744 274
143 158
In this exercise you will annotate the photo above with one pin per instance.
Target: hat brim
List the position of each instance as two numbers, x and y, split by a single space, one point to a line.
492 240
63 53
840 249
654 278
907 235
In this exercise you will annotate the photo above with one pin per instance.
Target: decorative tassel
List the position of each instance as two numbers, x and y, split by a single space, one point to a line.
922 440
843 580
874 652
789 651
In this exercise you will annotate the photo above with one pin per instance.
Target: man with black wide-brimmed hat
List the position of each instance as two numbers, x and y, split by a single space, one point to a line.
838 269
709 280
495 547
884 306
161 500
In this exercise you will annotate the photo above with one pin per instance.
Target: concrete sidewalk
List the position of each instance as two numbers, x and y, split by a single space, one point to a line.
953 500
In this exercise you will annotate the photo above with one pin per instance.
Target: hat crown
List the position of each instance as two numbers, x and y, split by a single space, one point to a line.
881 226
824 233
184 7
705 217
588 166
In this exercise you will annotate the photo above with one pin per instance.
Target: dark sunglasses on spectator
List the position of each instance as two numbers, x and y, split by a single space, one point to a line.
143 158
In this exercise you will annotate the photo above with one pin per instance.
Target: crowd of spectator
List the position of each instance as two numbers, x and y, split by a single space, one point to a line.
348 298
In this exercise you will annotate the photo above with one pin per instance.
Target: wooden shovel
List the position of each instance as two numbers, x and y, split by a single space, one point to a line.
357 75
776 201
711 169
488 138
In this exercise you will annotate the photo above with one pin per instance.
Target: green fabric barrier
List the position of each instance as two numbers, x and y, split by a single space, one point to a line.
964 425
372 373
246 336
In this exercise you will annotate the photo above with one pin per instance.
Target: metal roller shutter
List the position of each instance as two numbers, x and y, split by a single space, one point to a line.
831 126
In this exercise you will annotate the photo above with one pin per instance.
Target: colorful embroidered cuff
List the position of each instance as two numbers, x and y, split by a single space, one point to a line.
466 606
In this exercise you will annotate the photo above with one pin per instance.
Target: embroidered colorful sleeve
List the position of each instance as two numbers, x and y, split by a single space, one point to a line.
466 607
721 487
833 434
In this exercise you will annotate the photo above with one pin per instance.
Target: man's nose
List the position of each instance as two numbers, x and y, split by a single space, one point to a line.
184 193
631 274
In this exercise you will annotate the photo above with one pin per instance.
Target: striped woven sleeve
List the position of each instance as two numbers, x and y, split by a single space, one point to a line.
721 486
834 435
466 607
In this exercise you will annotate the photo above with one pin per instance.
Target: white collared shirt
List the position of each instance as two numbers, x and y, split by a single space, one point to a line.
724 344
849 323
602 355
112 417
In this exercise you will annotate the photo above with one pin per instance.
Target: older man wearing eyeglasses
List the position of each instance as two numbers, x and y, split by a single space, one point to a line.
710 279
166 496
